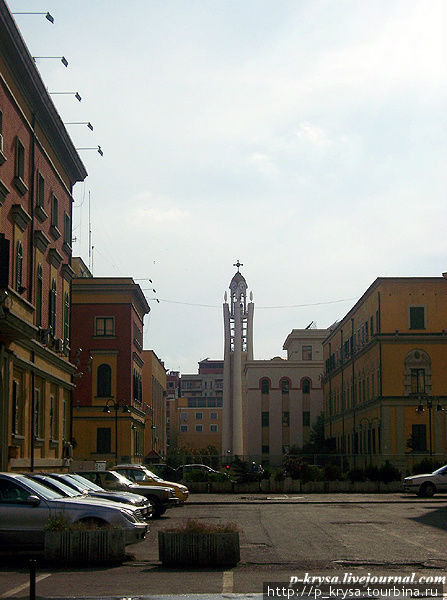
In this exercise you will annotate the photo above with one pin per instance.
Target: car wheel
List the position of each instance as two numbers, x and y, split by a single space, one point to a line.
426 490
158 508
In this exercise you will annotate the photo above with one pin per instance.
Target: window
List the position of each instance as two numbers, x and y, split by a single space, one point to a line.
305 386
199 416
104 381
417 317
265 386
213 428
199 428
201 402
286 418
54 211
417 381
183 428
265 449
103 439
285 386
37 414
183 416
307 353
211 402
66 317
306 418
67 229
265 419
213 416
11 493
219 402
52 415
419 437
104 326
53 308
192 403
15 407
40 192
19 266
39 288
20 160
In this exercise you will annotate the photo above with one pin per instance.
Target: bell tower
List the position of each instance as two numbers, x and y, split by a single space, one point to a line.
238 348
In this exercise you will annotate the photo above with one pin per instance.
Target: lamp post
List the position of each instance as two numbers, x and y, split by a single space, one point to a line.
116 406
89 125
77 95
63 60
48 17
428 400
97 148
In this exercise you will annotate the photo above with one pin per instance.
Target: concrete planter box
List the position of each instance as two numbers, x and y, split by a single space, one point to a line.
198 549
101 545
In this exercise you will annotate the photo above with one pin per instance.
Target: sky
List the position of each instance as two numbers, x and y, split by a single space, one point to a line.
306 138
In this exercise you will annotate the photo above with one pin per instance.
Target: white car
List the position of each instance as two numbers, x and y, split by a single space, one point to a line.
428 484
26 505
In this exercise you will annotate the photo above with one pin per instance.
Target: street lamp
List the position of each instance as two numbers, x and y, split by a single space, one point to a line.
89 125
48 17
116 406
77 95
98 148
63 60
421 408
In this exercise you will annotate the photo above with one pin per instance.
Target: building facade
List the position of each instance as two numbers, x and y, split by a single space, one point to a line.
284 397
38 169
109 415
385 383
154 398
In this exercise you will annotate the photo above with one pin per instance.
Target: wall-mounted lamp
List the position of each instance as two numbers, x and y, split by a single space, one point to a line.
63 60
89 125
75 94
98 148
48 17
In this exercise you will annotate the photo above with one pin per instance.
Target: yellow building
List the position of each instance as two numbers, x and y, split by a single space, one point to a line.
107 348
195 424
385 384
154 399
39 167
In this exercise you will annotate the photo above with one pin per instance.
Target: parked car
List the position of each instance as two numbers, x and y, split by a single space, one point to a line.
202 471
161 497
143 476
26 505
164 471
68 486
427 484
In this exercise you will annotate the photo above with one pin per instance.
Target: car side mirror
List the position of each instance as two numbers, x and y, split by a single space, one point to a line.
33 500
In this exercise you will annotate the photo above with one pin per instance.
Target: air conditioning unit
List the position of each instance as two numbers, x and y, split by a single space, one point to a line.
59 345
67 450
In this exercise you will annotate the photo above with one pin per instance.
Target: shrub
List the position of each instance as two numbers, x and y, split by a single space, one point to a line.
279 475
355 475
293 467
388 473
332 473
372 473
427 465
311 473
195 526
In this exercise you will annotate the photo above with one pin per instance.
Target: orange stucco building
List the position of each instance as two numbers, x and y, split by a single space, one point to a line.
385 383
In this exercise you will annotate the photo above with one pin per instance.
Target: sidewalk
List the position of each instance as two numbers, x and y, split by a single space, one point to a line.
295 498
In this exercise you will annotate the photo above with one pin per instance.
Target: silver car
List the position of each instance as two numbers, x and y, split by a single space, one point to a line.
26 505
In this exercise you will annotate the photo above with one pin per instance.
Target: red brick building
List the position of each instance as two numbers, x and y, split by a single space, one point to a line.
38 169
107 346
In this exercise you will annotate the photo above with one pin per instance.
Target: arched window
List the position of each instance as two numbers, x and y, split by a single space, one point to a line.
66 317
265 386
39 288
417 373
19 266
52 308
104 381
305 386
285 386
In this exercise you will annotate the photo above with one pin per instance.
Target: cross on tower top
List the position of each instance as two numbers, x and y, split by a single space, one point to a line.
238 264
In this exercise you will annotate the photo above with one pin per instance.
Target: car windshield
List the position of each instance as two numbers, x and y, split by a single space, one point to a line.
151 475
86 483
71 483
41 490
121 478
441 471
53 483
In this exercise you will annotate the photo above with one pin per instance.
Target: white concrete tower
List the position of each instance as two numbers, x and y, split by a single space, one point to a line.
238 347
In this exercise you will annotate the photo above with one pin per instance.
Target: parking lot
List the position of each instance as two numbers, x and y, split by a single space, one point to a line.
281 536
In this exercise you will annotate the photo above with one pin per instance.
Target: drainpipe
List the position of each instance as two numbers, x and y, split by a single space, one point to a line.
32 194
